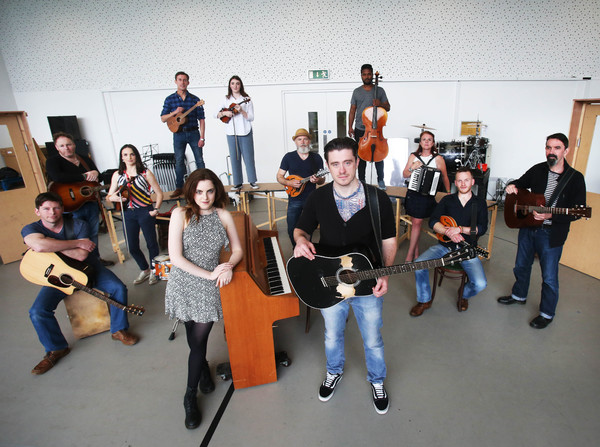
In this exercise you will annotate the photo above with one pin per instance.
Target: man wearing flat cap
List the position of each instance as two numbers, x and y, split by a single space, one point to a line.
299 164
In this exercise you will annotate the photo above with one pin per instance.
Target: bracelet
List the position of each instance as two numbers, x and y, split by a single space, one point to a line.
461 229
201 139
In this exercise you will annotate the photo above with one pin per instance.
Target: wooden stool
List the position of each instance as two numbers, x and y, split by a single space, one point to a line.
88 315
450 272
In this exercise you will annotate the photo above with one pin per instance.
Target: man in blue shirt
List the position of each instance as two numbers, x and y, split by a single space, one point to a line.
69 236
192 131
305 164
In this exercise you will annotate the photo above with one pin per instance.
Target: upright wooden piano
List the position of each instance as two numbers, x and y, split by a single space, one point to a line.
258 295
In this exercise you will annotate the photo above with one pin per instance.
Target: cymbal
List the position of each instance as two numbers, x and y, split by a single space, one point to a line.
423 126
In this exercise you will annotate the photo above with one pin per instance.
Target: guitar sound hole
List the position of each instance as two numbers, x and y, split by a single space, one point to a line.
55 281
66 279
347 277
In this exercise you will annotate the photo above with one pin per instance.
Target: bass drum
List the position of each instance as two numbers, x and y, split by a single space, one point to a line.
161 266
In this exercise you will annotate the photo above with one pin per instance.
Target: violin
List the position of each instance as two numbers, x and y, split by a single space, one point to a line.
232 108
373 146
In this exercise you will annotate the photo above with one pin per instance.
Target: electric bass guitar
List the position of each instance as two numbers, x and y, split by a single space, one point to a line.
175 122
74 195
519 208
295 192
67 275
231 108
326 281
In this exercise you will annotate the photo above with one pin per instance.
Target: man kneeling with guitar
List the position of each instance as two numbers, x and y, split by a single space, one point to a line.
458 217
70 237
562 186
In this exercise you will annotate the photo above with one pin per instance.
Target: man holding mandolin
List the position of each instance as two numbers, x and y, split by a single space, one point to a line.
69 237
561 186
301 164
457 218
191 129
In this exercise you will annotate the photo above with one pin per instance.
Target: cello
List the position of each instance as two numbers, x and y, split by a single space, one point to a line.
373 146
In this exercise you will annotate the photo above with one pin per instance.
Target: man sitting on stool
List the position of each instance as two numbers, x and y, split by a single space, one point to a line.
459 206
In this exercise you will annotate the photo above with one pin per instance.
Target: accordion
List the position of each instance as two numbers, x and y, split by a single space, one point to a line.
424 180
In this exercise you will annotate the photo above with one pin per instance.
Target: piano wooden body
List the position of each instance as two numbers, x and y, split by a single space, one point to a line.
258 295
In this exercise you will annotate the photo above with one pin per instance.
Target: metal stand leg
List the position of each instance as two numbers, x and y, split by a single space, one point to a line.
175 325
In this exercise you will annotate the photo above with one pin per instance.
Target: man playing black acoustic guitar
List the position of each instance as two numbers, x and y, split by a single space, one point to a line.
548 239
69 236
341 209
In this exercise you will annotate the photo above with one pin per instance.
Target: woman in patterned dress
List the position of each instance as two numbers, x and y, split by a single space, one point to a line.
197 233
139 211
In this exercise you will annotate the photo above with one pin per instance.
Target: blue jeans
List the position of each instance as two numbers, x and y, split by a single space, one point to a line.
367 310
42 311
136 218
531 241
294 210
245 145
90 213
180 141
473 268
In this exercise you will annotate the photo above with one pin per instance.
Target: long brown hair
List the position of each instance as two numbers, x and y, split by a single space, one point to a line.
189 191
419 150
140 167
242 91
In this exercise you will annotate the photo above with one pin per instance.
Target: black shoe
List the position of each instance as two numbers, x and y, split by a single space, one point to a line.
381 401
238 187
206 384
190 404
328 387
510 300
540 322
106 263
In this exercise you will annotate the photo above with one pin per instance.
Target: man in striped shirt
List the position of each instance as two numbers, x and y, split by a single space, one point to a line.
546 240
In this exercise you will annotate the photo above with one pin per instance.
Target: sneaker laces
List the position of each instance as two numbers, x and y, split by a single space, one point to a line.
330 379
379 391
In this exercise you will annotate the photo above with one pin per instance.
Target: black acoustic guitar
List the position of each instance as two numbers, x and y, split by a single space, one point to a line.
326 281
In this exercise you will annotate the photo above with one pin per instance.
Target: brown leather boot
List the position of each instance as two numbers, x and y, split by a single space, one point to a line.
419 308
49 360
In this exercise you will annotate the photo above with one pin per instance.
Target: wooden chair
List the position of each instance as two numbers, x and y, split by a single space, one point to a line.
454 272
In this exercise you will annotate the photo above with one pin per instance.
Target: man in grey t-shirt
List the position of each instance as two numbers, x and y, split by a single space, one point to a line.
362 97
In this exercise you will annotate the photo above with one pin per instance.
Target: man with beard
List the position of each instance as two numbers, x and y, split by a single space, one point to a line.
362 97
546 241
302 163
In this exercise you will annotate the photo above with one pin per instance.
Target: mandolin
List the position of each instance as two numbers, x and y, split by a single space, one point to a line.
519 208
177 121
67 275
231 108
295 192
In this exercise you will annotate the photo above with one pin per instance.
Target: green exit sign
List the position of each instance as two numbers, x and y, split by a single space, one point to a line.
314 75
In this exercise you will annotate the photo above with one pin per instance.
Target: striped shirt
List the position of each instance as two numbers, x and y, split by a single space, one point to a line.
550 187
138 188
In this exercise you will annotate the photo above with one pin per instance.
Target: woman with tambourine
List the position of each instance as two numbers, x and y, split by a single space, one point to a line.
420 206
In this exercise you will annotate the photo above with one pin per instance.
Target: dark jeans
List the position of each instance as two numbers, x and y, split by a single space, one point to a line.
180 141
136 219
42 311
362 165
294 210
532 241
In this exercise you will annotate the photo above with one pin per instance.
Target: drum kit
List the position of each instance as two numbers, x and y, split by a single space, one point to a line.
161 266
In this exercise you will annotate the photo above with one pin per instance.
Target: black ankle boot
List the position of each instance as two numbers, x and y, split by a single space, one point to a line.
192 414
206 384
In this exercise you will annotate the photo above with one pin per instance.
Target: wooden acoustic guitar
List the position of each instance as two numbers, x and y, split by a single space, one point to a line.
231 108
519 208
326 281
67 275
295 192
75 195
175 122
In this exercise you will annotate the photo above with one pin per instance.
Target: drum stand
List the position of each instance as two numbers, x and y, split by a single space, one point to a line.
175 325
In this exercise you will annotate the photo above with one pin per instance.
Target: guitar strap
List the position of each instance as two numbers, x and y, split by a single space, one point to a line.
564 179
474 221
83 163
373 202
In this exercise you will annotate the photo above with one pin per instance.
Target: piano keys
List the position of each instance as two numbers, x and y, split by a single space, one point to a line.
258 295
425 180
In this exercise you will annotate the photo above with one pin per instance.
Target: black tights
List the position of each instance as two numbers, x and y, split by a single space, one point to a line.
197 338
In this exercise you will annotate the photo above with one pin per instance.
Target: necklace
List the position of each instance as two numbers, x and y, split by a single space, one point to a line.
339 196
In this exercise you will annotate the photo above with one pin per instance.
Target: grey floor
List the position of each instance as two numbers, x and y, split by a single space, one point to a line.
479 378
